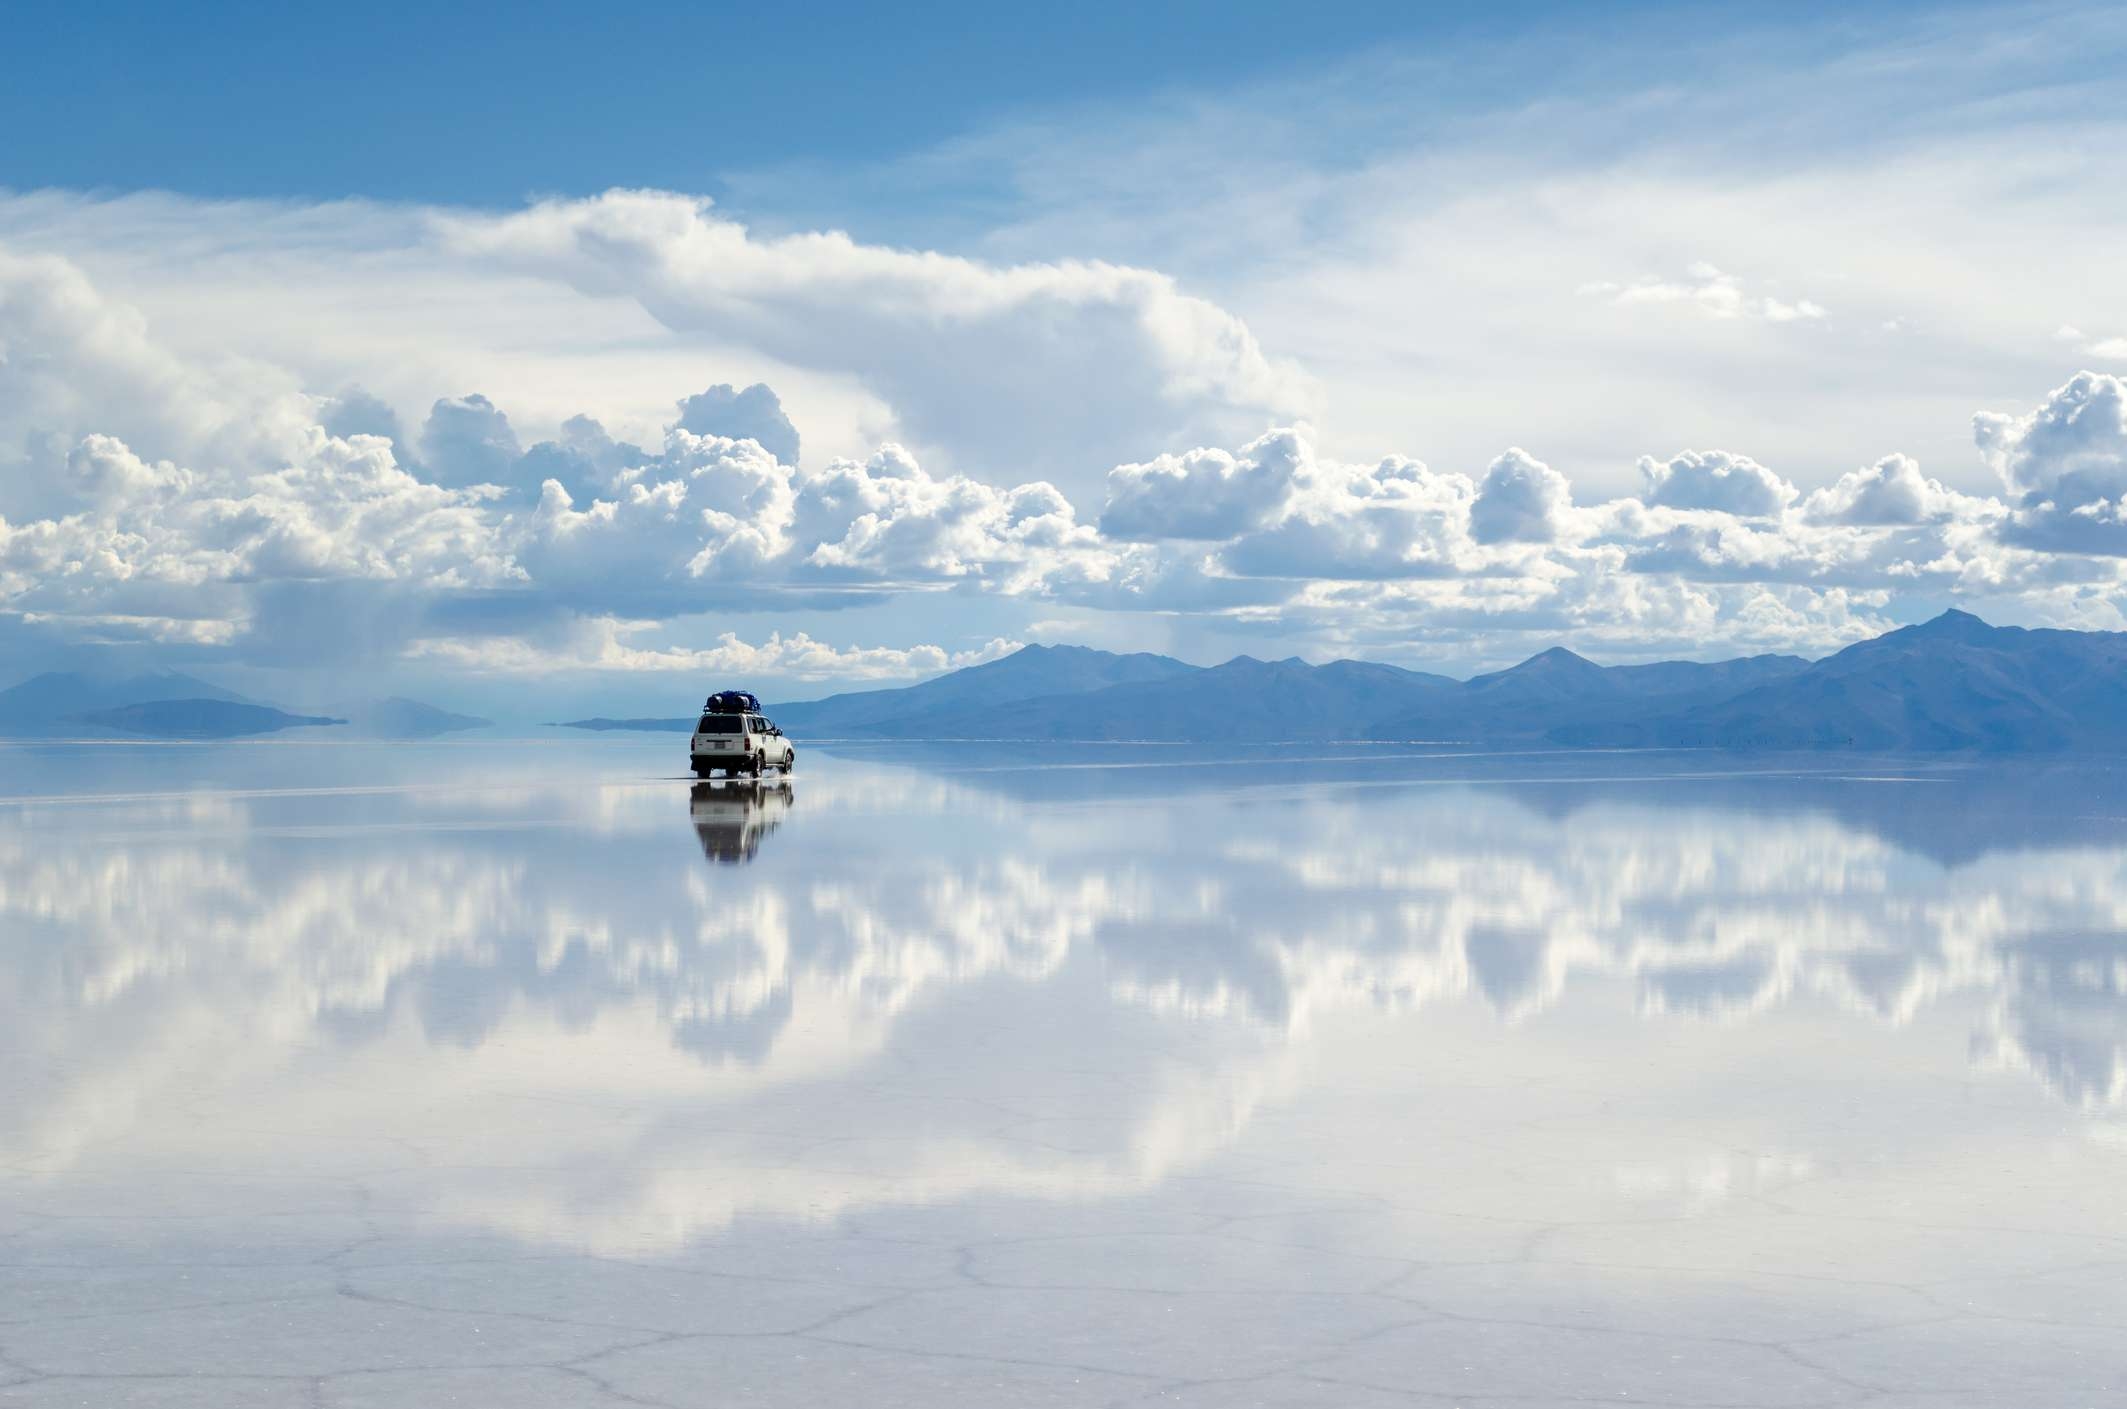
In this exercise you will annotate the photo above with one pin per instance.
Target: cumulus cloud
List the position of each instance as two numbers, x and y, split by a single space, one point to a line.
355 412
75 363
1393 519
1206 493
319 535
1891 491
166 549
345 543
753 414
1055 367
2072 447
105 469
885 520
703 508
2064 465
1276 508
710 519
584 460
1520 501
467 441
1716 480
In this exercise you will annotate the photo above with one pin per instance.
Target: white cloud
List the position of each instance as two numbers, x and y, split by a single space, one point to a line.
251 518
999 364
607 644
755 414
74 362
1716 480
1520 501
182 546
2064 465
467 441
1709 291
1885 170
886 520
2074 443
2109 349
104 469
1393 519
1205 493
704 509
1891 491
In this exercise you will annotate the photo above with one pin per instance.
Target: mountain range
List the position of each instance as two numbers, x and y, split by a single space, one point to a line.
169 705
1953 683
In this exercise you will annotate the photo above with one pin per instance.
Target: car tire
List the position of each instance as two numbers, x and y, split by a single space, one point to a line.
790 761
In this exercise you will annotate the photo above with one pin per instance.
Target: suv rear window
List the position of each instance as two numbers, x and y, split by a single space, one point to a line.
722 724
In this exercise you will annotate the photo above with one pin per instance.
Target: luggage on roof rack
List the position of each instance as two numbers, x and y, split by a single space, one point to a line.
733 702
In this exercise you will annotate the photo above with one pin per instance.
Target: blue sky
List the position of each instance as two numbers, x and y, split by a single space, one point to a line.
356 342
490 104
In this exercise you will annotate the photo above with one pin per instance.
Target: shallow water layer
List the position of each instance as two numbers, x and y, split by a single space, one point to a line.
530 1074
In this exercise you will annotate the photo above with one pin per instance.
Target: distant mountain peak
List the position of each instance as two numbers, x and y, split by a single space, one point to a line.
1034 653
1555 674
1954 620
1557 660
1275 669
1951 625
1032 671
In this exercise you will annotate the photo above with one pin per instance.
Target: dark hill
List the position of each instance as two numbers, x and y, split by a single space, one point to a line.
198 719
53 703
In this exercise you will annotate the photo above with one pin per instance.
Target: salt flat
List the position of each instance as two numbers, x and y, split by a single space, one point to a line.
529 1073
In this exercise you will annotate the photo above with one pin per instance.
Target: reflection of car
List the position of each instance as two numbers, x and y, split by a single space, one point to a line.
731 818
738 741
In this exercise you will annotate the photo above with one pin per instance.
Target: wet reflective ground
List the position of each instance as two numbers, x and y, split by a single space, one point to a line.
531 1074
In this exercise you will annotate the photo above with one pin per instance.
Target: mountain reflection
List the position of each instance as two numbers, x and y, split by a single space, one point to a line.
968 941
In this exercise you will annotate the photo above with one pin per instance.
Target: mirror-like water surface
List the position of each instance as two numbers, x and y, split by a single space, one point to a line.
530 1074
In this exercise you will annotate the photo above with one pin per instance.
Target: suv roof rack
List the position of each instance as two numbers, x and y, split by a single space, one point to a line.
732 702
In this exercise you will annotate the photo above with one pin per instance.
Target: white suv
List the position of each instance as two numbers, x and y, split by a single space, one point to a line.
739 743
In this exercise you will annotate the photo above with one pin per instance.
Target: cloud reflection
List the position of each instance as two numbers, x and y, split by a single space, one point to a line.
908 984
